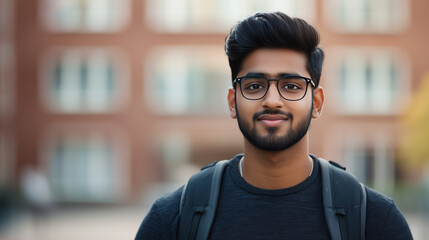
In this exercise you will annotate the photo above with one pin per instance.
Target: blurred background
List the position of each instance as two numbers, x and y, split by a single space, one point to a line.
107 104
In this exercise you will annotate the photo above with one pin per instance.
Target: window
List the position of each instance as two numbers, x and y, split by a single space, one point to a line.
85 165
6 161
6 90
175 148
83 80
84 15
7 143
187 80
370 81
6 58
217 15
371 161
366 16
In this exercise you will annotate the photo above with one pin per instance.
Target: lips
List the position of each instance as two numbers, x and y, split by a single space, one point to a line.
272 120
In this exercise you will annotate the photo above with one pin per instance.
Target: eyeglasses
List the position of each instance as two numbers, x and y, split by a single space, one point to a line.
291 87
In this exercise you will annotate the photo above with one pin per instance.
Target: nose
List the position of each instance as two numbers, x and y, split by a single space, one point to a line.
272 99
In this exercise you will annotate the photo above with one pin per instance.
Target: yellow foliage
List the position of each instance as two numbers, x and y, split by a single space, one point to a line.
414 145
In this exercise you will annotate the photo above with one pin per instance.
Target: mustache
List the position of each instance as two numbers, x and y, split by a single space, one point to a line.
272 112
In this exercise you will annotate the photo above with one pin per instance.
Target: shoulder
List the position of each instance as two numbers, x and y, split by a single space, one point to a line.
378 201
384 219
161 221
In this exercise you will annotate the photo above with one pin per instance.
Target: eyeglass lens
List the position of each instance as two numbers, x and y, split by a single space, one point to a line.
290 88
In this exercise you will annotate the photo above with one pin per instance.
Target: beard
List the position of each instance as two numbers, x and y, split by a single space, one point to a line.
273 142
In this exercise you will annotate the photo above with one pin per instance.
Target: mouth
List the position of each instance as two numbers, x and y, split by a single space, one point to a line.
272 120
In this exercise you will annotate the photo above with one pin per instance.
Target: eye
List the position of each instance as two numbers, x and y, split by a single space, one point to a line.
254 86
291 86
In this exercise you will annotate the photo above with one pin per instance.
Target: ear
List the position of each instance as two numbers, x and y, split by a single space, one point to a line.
318 100
231 102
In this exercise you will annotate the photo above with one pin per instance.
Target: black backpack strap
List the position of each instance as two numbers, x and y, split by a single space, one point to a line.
363 213
344 200
198 202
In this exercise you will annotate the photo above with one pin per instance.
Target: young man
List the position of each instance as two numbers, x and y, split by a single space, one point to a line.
274 189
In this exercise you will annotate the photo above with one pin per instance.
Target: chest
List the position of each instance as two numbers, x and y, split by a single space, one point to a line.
241 215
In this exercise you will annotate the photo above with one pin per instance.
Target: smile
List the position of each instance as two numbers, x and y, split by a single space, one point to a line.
272 120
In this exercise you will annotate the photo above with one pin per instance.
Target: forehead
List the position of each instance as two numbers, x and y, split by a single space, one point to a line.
274 61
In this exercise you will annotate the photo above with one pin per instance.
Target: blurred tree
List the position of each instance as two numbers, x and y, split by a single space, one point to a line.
414 145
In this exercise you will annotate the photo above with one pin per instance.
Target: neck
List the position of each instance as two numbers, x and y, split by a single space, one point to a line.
276 170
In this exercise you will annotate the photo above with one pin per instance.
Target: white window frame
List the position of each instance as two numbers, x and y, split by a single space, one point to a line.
73 100
378 20
6 80
383 163
7 159
189 16
180 60
7 59
80 133
359 101
90 16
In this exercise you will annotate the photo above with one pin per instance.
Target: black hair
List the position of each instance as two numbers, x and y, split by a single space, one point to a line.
274 30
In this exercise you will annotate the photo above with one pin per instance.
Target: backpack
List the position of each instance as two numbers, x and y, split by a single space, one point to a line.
344 200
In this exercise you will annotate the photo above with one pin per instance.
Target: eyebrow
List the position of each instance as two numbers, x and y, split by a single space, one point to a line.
262 74
256 74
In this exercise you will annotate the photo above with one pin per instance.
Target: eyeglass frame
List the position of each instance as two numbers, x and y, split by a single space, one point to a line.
283 76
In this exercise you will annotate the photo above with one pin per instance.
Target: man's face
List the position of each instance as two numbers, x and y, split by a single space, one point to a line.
273 123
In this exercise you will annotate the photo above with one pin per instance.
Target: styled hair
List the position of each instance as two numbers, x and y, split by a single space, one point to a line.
274 30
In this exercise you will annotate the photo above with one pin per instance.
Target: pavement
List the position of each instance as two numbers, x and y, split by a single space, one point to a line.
112 223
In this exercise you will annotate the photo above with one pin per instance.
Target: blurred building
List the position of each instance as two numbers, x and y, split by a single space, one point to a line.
106 97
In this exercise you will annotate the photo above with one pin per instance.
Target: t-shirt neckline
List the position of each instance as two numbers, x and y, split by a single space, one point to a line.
239 181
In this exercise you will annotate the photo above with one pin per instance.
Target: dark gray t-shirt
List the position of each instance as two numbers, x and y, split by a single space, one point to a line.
247 212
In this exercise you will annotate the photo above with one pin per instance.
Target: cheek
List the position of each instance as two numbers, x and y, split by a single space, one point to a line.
301 110
244 108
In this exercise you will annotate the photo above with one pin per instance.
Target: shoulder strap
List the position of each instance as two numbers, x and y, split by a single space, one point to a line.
198 202
344 200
